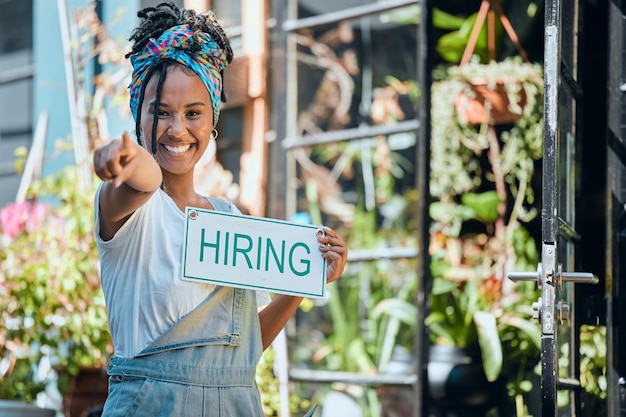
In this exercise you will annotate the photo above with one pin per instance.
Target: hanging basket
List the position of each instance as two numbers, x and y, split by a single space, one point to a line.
490 100
486 101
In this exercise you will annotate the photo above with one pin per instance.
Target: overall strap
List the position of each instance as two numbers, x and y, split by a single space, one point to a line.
220 204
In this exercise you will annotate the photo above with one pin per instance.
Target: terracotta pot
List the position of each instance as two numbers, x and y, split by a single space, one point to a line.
87 391
471 107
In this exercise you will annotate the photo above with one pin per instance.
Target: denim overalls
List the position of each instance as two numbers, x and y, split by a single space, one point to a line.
189 372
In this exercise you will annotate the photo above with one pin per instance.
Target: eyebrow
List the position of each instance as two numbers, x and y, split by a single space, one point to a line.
161 104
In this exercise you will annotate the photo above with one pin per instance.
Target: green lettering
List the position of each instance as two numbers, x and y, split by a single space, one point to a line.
280 263
226 248
243 251
258 253
216 246
303 261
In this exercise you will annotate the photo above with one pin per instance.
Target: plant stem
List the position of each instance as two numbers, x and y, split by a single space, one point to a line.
494 159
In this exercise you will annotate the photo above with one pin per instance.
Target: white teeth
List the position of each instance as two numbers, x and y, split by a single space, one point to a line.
177 149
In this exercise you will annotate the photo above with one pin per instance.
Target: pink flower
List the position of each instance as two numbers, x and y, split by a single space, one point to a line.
36 217
18 217
12 219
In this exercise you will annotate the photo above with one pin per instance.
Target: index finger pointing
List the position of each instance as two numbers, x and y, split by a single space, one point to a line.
127 142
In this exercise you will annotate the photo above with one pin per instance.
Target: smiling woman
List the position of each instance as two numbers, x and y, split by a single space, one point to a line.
180 347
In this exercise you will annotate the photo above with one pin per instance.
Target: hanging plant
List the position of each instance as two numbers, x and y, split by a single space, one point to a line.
456 139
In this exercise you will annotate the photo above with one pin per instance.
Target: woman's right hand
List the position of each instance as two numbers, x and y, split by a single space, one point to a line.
116 161
131 174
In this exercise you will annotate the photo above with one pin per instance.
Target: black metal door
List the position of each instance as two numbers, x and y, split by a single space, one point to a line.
616 212
562 135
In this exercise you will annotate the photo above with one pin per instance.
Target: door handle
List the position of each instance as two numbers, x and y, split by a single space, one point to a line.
579 277
559 310
575 277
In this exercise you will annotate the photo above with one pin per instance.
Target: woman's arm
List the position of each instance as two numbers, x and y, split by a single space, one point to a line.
276 314
131 176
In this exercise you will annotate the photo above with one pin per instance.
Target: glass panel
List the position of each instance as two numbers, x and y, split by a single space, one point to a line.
307 8
567 155
356 74
152 3
567 346
353 75
230 128
16 98
569 35
228 11
16 21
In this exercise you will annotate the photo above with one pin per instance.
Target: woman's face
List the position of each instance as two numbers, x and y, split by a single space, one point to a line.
185 120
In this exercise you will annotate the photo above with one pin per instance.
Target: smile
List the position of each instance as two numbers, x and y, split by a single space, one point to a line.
177 149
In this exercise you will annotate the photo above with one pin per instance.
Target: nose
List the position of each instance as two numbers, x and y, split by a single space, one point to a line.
176 127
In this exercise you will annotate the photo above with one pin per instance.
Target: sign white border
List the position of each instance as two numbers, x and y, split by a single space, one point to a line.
254 229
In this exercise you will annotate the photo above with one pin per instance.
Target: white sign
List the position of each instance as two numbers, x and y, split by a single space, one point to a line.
252 252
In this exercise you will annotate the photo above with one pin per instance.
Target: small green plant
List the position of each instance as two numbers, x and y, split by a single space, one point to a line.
471 307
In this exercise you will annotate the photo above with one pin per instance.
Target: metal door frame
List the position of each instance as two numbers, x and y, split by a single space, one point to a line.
616 209
548 269
551 308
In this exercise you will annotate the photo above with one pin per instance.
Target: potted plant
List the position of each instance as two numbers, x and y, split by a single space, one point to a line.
481 335
51 300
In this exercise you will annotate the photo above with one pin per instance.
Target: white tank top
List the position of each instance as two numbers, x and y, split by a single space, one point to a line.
140 273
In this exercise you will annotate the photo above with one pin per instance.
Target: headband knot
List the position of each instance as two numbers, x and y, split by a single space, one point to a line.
194 49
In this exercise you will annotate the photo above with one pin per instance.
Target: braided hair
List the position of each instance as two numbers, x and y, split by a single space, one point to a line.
155 21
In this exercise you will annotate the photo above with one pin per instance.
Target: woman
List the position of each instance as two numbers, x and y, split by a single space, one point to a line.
180 347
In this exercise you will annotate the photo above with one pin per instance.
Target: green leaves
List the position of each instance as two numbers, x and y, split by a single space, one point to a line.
489 341
50 285
396 309
452 44
483 205
390 313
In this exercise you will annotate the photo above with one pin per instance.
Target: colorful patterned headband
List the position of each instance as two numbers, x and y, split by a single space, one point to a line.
196 50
